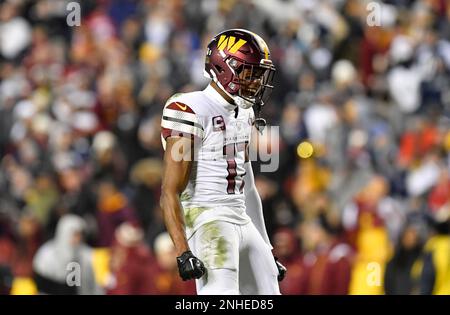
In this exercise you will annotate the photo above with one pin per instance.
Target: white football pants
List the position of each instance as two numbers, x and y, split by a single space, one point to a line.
237 259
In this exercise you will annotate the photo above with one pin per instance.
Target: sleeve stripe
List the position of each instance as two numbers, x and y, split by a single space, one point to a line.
180 115
182 121
186 128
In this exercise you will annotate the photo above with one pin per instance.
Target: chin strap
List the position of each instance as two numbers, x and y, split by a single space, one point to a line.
260 123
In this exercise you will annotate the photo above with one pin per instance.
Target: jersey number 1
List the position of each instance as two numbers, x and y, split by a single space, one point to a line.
229 151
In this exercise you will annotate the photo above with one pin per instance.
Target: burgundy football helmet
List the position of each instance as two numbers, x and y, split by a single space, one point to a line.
238 61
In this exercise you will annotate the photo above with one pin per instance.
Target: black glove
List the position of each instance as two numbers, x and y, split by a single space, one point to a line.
281 270
190 267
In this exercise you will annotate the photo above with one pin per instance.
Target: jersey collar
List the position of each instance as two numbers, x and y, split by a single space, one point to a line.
214 95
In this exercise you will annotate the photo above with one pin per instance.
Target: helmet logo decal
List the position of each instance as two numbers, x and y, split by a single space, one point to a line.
229 43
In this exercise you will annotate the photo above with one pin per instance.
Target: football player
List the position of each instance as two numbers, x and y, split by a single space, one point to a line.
211 207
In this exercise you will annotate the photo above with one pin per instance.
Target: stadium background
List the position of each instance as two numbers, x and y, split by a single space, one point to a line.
80 109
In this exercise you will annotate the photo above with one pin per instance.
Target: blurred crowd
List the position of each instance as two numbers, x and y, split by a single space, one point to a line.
80 152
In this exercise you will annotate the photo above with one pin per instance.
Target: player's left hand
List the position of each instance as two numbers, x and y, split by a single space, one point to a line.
281 269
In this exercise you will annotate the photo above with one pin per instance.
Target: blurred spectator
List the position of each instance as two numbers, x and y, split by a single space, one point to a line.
166 277
52 261
6 279
7 246
146 178
404 79
113 209
435 275
42 197
366 225
328 260
15 31
131 264
29 238
399 278
440 195
286 248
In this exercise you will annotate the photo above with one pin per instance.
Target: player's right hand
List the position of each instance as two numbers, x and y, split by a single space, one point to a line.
190 267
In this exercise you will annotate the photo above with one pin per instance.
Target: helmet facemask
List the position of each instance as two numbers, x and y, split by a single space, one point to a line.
254 82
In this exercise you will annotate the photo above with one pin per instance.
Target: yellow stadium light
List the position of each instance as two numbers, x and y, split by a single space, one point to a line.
305 150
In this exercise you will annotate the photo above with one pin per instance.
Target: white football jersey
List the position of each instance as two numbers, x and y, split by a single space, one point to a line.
215 190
